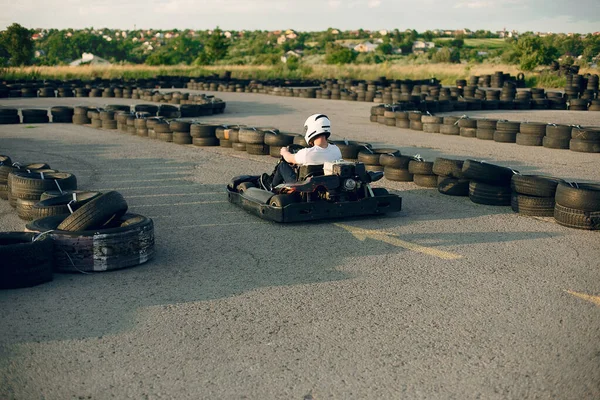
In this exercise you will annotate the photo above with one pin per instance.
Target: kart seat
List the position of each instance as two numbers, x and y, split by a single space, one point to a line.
306 171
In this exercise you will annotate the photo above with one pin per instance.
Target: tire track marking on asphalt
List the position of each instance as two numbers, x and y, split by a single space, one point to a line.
390 238
586 297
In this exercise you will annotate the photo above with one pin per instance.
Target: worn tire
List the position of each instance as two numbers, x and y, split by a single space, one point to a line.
60 204
534 185
128 242
373 156
25 262
529 140
453 187
429 181
205 141
574 218
96 213
487 173
556 143
448 167
420 167
584 146
257 149
581 196
532 206
397 174
491 195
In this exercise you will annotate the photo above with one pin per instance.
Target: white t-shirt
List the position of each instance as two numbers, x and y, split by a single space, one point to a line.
318 155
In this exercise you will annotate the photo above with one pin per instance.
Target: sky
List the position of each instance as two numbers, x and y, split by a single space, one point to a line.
581 16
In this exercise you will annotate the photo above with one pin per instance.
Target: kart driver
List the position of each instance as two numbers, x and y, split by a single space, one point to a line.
317 129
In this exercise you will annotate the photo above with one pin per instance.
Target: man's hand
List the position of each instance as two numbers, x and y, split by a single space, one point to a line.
287 156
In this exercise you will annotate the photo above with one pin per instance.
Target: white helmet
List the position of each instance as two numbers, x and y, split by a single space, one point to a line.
315 125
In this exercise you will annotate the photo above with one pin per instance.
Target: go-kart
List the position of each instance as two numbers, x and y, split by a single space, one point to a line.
333 190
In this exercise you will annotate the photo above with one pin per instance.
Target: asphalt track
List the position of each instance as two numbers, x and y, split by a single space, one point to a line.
444 300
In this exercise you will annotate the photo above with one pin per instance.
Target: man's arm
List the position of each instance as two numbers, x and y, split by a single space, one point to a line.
287 156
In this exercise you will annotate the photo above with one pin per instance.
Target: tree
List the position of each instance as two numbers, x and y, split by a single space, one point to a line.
385 47
458 42
17 42
532 52
339 55
217 46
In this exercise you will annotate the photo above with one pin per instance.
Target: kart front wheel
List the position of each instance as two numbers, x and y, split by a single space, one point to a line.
380 192
242 187
282 200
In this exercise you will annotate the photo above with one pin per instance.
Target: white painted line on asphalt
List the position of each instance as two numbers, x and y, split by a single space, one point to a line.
138 172
149 180
180 204
175 194
390 238
184 184
213 225
587 297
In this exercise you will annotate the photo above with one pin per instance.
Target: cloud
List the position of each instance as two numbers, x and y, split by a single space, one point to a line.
474 4
334 4
374 3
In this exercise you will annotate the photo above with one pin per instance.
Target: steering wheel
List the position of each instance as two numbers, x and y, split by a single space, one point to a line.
294 148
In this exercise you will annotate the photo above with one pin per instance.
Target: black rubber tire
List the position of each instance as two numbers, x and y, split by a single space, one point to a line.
373 156
203 130
278 139
30 185
454 187
578 219
180 126
432 119
251 136
584 146
238 146
25 262
532 206
529 140
581 196
259 195
535 185
533 128
448 167
162 127
282 200
420 167
257 149
129 241
395 160
450 129
431 128
50 194
222 143
205 141
505 137
508 126
397 174
242 187
491 195
487 124
484 134
558 131
591 134
380 192
556 143
24 208
415 125
96 214
487 173
60 204
429 181
468 132
467 123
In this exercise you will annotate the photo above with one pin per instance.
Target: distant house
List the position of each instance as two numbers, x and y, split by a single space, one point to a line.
290 34
366 47
335 32
281 39
383 32
290 54
89 59
421 46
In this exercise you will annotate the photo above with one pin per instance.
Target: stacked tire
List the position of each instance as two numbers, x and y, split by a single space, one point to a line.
557 136
450 177
254 139
181 132
578 205
533 195
203 134
395 165
585 140
506 131
531 134
422 172
489 184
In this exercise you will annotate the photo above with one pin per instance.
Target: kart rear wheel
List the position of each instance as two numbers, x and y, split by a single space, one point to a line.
282 200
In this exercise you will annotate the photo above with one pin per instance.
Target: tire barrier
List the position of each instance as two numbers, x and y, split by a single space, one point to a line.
73 230
574 137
